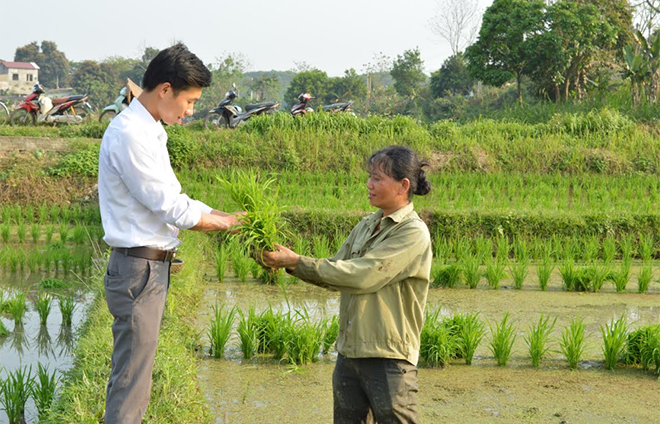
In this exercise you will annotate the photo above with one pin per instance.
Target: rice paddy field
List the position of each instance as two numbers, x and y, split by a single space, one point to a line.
544 305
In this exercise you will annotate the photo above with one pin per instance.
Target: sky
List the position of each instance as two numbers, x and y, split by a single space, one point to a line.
271 34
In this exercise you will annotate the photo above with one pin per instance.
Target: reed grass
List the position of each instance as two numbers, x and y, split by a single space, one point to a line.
537 339
220 329
614 341
573 341
502 338
15 391
43 390
67 305
470 333
43 305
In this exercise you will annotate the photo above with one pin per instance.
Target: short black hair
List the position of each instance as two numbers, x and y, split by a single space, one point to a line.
178 66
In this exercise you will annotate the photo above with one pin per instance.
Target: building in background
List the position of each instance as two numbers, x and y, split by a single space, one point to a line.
18 77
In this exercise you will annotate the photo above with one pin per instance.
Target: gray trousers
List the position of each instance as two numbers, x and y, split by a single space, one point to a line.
135 290
368 390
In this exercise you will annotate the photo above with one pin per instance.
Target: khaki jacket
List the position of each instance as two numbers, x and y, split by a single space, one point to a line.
383 276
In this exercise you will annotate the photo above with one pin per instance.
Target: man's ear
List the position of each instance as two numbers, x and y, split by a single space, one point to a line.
163 89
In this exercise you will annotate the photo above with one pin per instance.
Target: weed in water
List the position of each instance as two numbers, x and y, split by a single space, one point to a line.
470 333
43 390
503 336
15 390
572 342
537 339
67 305
614 341
43 305
220 330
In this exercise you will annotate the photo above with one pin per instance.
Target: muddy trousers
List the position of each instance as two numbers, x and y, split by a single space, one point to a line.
374 390
135 290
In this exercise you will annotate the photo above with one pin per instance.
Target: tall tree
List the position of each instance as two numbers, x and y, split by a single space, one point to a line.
408 73
452 78
349 87
315 82
265 87
96 80
53 64
504 47
456 22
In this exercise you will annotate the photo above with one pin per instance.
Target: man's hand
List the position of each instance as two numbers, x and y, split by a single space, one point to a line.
219 221
281 258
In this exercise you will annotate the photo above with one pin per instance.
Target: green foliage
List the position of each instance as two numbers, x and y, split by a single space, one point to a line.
452 78
537 339
15 390
408 73
470 332
502 338
314 81
220 329
84 160
572 342
438 341
43 390
614 341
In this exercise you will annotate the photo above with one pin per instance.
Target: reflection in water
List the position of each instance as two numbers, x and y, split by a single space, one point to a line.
44 342
65 340
19 340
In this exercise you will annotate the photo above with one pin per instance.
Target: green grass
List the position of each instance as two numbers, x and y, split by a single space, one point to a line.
572 342
495 272
438 343
519 271
67 305
43 306
537 339
503 336
15 391
470 333
614 341
16 306
248 332
43 390
220 329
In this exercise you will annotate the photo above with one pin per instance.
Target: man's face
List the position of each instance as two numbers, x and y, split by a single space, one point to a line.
174 108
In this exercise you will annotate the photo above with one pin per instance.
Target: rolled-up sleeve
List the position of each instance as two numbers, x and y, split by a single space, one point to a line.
142 173
383 265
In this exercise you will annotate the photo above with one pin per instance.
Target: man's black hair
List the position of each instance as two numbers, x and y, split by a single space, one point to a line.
178 66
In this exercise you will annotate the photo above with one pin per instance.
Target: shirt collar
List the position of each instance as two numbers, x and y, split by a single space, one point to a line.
153 127
396 216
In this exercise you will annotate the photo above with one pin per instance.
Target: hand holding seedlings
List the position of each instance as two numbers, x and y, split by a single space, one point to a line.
281 258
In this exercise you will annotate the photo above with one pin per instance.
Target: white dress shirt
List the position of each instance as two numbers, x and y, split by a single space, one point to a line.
139 195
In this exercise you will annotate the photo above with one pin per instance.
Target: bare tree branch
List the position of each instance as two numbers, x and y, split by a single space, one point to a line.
457 22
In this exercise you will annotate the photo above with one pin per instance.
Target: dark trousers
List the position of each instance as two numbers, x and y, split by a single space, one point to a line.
368 390
135 290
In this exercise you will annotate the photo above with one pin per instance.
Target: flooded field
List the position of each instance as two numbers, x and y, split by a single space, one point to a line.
262 390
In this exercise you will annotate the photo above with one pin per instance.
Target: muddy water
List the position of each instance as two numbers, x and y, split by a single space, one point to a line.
261 390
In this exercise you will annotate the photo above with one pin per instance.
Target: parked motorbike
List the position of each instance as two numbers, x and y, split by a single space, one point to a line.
228 115
126 96
338 107
301 107
38 107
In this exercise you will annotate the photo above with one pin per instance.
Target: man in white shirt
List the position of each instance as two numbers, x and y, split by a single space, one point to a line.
142 209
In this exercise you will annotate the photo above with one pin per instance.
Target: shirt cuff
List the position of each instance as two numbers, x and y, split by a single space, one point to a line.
191 218
204 207
306 269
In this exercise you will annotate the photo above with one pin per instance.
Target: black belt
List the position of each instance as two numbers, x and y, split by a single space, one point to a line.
147 253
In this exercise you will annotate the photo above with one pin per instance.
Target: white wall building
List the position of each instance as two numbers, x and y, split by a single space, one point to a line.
18 77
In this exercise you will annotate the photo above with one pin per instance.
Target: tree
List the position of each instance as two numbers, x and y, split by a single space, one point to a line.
408 73
227 71
96 80
53 64
265 87
452 78
349 87
457 22
315 82
504 46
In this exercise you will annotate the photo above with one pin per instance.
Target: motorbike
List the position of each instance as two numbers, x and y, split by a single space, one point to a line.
344 107
228 115
38 107
301 107
126 95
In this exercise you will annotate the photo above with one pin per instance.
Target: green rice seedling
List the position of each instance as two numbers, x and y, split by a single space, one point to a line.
267 324
621 276
67 306
5 211
518 272
437 342
495 272
626 246
483 248
277 337
634 342
50 229
583 278
573 341
609 249
79 235
65 258
64 232
255 270
53 283
503 336
35 232
643 347
544 271
644 278
304 341
567 271
503 248
330 333
241 264
221 261
447 276
338 240
43 306
15 391
471 271
537 339
42 214
646 247
321 246
65 213
520 249
614 341
470 333
43 390
248 332
462 249
591 249
77 213
220 329
17 214
3 330
442 250
301 246
21 232
16 307
5 231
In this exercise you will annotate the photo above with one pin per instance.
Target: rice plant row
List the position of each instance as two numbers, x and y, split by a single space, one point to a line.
19 385
16 304
43 214
54 258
